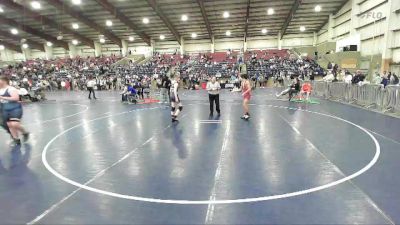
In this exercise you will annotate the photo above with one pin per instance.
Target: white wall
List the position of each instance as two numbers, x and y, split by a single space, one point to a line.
339 27
300 40
369 20
268 41
197 46
228 43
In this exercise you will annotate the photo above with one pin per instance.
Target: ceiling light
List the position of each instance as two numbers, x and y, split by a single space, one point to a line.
36 5
76 2
109 23
228 33
25 46
75 42
264 31
194 35
131 38
75 26
318 8
2 47
102 40
226 14
184 18
14 31
271 11
145 20
49 44
302 28
1 10
162 37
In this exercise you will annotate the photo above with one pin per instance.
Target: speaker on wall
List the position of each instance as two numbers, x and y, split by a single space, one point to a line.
353 48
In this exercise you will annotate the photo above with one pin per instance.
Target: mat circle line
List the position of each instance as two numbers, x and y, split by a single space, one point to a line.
215 202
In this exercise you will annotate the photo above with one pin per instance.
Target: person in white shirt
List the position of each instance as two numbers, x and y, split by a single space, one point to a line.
213 88
90 87
176 104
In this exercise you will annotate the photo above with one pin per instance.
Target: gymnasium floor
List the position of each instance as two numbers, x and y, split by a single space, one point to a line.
103 162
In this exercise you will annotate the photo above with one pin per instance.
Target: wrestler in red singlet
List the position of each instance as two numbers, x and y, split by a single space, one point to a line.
246 93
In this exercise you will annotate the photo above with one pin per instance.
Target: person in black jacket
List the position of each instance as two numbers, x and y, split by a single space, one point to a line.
294 88
165 89
359 77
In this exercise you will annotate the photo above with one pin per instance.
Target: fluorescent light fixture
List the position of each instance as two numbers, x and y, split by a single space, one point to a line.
75 42
109 23
228 33
264 31
145 20
76 2
318 8
102 40
25 46
226 14
194 35
184 18
75 26
270 11
302 28
2 47
49 44
36 5
14 31
131 38
1 9
162 37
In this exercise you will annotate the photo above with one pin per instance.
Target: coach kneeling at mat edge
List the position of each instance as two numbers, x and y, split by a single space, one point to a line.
213 88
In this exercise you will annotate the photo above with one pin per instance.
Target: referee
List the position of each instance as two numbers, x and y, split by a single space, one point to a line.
213 89
90 87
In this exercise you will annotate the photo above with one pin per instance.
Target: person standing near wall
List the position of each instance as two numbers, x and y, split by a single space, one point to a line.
213 88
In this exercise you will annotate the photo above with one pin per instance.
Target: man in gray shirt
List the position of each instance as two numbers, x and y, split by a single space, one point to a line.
213 88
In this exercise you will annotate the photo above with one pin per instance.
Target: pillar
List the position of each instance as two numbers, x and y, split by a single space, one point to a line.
27 53
387 53
124 48
97 49
279 41
72 50
244 44
212 44
182 47
153 46
48 50
331 24
315 40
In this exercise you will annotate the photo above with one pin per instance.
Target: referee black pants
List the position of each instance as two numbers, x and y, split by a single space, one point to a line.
91 90
214 98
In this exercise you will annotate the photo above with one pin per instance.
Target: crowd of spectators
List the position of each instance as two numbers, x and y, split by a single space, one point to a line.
335 74
58 74
73 74
279 68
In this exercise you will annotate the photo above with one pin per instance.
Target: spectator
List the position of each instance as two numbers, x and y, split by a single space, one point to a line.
359 77
377 79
